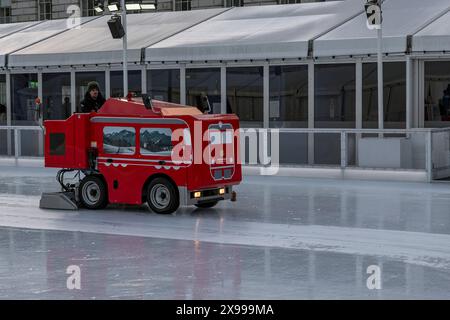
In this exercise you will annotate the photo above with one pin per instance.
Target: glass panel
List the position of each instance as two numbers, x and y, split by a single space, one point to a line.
31 143
119 140
24 90
187 137
245 95
200 83
288 106
45 9
233 3
164 85
56 96
82 79
215 137
2 99
327 149
334 95
182 5
5 14
88 8
394 92
437 94
6 147
134 83
156 141
289 141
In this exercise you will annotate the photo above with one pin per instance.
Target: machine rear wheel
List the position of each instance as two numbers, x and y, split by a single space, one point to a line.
93 193
204 205
162 197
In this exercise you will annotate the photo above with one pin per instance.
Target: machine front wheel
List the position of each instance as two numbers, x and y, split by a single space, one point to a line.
93 193
162 197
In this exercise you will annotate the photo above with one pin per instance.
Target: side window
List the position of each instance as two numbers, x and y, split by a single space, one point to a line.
187 137
57 144
119 140
220 137
156 141
215 136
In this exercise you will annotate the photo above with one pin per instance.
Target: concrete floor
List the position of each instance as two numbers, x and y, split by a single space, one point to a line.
285 238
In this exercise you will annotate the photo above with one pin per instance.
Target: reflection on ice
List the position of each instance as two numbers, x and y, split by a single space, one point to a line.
283 238
34 264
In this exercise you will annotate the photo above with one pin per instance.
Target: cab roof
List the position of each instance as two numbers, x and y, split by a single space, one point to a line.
135 107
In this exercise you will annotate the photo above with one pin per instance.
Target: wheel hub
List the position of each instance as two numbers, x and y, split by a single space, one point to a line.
160 196
91 193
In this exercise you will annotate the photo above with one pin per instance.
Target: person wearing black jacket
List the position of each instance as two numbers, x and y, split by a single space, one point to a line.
93 99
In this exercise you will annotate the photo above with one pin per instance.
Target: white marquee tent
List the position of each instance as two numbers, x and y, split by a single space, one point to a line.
327 29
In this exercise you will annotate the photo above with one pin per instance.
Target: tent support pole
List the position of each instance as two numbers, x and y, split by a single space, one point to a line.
125 58
380 81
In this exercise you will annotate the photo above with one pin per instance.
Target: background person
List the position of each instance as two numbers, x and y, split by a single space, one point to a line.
93 99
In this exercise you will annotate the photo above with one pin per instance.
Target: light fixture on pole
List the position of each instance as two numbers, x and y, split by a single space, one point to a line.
374 21
133 6
118 28
140 6
125 49
113 7
148 6
98 7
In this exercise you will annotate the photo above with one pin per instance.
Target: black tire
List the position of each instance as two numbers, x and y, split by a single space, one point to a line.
93 193
205 205
162 196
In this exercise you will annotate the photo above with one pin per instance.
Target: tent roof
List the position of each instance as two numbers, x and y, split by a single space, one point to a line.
93 43
8 28
332 28
400 19
31 34
434 37
256 32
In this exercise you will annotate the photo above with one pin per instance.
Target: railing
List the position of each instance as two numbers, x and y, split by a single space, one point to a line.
19 141
422 149
409 150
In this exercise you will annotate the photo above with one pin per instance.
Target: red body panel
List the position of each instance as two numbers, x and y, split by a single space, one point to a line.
200 172
77 135
126 174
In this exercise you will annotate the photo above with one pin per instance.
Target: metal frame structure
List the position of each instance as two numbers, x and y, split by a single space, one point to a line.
414 63
431 168
414 81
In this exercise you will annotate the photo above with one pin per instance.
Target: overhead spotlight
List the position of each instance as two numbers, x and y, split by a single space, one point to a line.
113 7
132 6
148 6
98 7
116 27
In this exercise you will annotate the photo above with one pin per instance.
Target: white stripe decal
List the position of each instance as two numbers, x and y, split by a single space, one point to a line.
142 165
145 160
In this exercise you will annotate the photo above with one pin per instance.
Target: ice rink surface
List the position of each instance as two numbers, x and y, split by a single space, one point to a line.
284 238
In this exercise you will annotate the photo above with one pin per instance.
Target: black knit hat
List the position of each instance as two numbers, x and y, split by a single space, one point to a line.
93 85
